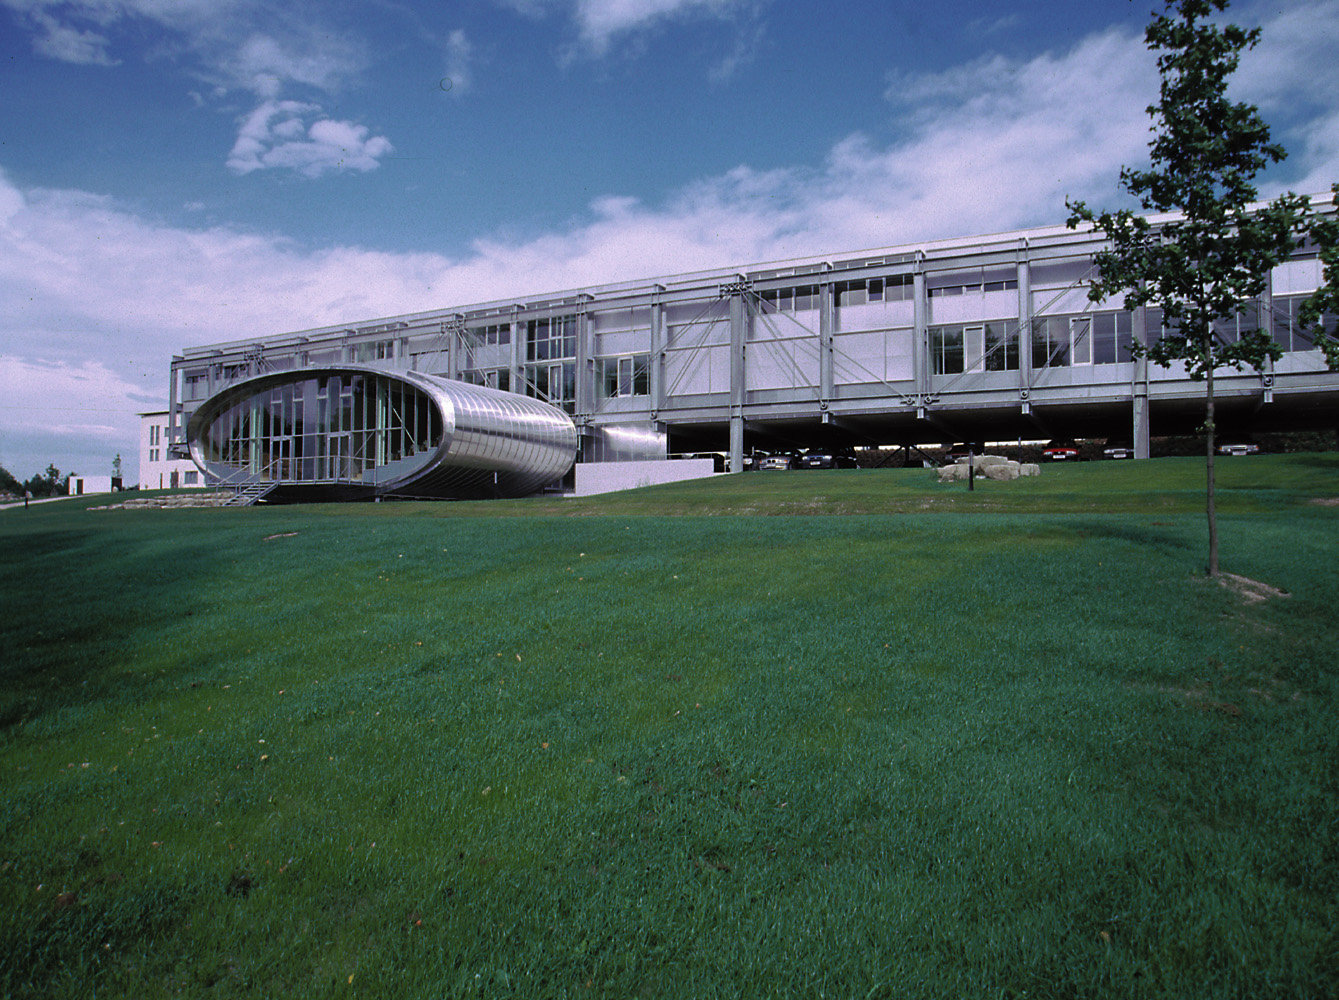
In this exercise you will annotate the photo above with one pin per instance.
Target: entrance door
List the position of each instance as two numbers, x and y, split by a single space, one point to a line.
339 456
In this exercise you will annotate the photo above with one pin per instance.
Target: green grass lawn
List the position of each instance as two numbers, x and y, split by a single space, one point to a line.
842 734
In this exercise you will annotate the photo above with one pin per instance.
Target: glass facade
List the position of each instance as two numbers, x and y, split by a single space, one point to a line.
1083 339
331 428
626 376
974 347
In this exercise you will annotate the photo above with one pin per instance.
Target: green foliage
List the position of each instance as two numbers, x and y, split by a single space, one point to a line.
48 484
1325 231
8 484
608 748
1203 266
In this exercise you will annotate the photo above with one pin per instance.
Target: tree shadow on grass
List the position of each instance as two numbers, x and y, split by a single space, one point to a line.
1164 536
75 600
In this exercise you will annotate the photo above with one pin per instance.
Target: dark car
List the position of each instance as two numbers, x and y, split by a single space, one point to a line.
1061 450
823 460
1118 448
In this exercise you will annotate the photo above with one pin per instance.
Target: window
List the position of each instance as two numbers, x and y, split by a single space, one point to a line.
973 287
154 430
990 347
495 334
332 428
1050 342
191 478
625 376
1080 343
946 349
1111 337
1001 348
792 299
1290 333
551 339
377 350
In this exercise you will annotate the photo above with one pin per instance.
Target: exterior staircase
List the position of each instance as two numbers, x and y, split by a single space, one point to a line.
250 494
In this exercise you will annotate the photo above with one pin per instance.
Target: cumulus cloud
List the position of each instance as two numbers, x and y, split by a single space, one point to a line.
993 145
264 64
234 45
276 134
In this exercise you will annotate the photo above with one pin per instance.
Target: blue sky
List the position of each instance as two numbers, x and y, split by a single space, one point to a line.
179 172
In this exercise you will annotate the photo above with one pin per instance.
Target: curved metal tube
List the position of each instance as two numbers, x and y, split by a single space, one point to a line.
347 430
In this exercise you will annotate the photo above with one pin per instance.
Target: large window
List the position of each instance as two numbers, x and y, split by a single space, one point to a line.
1290 333
551 339
625 376
946 349
895 288
973 347
1083 339
334 428
1111 337
493 378
792 299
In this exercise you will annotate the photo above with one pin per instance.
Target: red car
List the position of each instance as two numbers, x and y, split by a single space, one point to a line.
1061 451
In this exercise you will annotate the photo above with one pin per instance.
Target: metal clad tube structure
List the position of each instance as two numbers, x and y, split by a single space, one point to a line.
345 431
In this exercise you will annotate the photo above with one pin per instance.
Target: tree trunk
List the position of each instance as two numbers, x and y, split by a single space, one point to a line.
1209 439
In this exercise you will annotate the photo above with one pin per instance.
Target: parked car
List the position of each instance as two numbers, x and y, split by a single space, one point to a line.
1061 450
824 460
1238 448
774 462
1118 448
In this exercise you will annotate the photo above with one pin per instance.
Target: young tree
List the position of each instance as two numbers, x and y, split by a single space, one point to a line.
1201 268
1325 232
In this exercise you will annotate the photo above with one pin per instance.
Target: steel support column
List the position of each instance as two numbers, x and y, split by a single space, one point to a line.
1025 332
827 326
657 359
738 340
920 340
517 360
1140 426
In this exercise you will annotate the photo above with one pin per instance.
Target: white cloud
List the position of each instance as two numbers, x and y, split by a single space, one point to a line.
459 63
600 21
264 64
276 135
989 146
227 48
67 44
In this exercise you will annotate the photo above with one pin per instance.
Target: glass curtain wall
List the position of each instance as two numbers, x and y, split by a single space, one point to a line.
550 353
329 429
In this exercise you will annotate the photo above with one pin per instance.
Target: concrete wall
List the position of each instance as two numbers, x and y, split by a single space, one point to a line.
609 477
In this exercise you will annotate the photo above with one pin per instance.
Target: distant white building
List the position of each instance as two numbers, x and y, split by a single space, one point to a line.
156 470
79 485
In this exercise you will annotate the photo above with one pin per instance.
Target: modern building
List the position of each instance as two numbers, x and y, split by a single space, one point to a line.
986 338
157 469
79 485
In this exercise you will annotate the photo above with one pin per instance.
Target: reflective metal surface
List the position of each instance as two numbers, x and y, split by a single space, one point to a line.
357 430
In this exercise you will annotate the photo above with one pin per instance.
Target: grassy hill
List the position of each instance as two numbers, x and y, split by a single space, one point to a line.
843 733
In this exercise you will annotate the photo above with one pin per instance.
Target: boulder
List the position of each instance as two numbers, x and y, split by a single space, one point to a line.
985 461
1003 471
987 467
